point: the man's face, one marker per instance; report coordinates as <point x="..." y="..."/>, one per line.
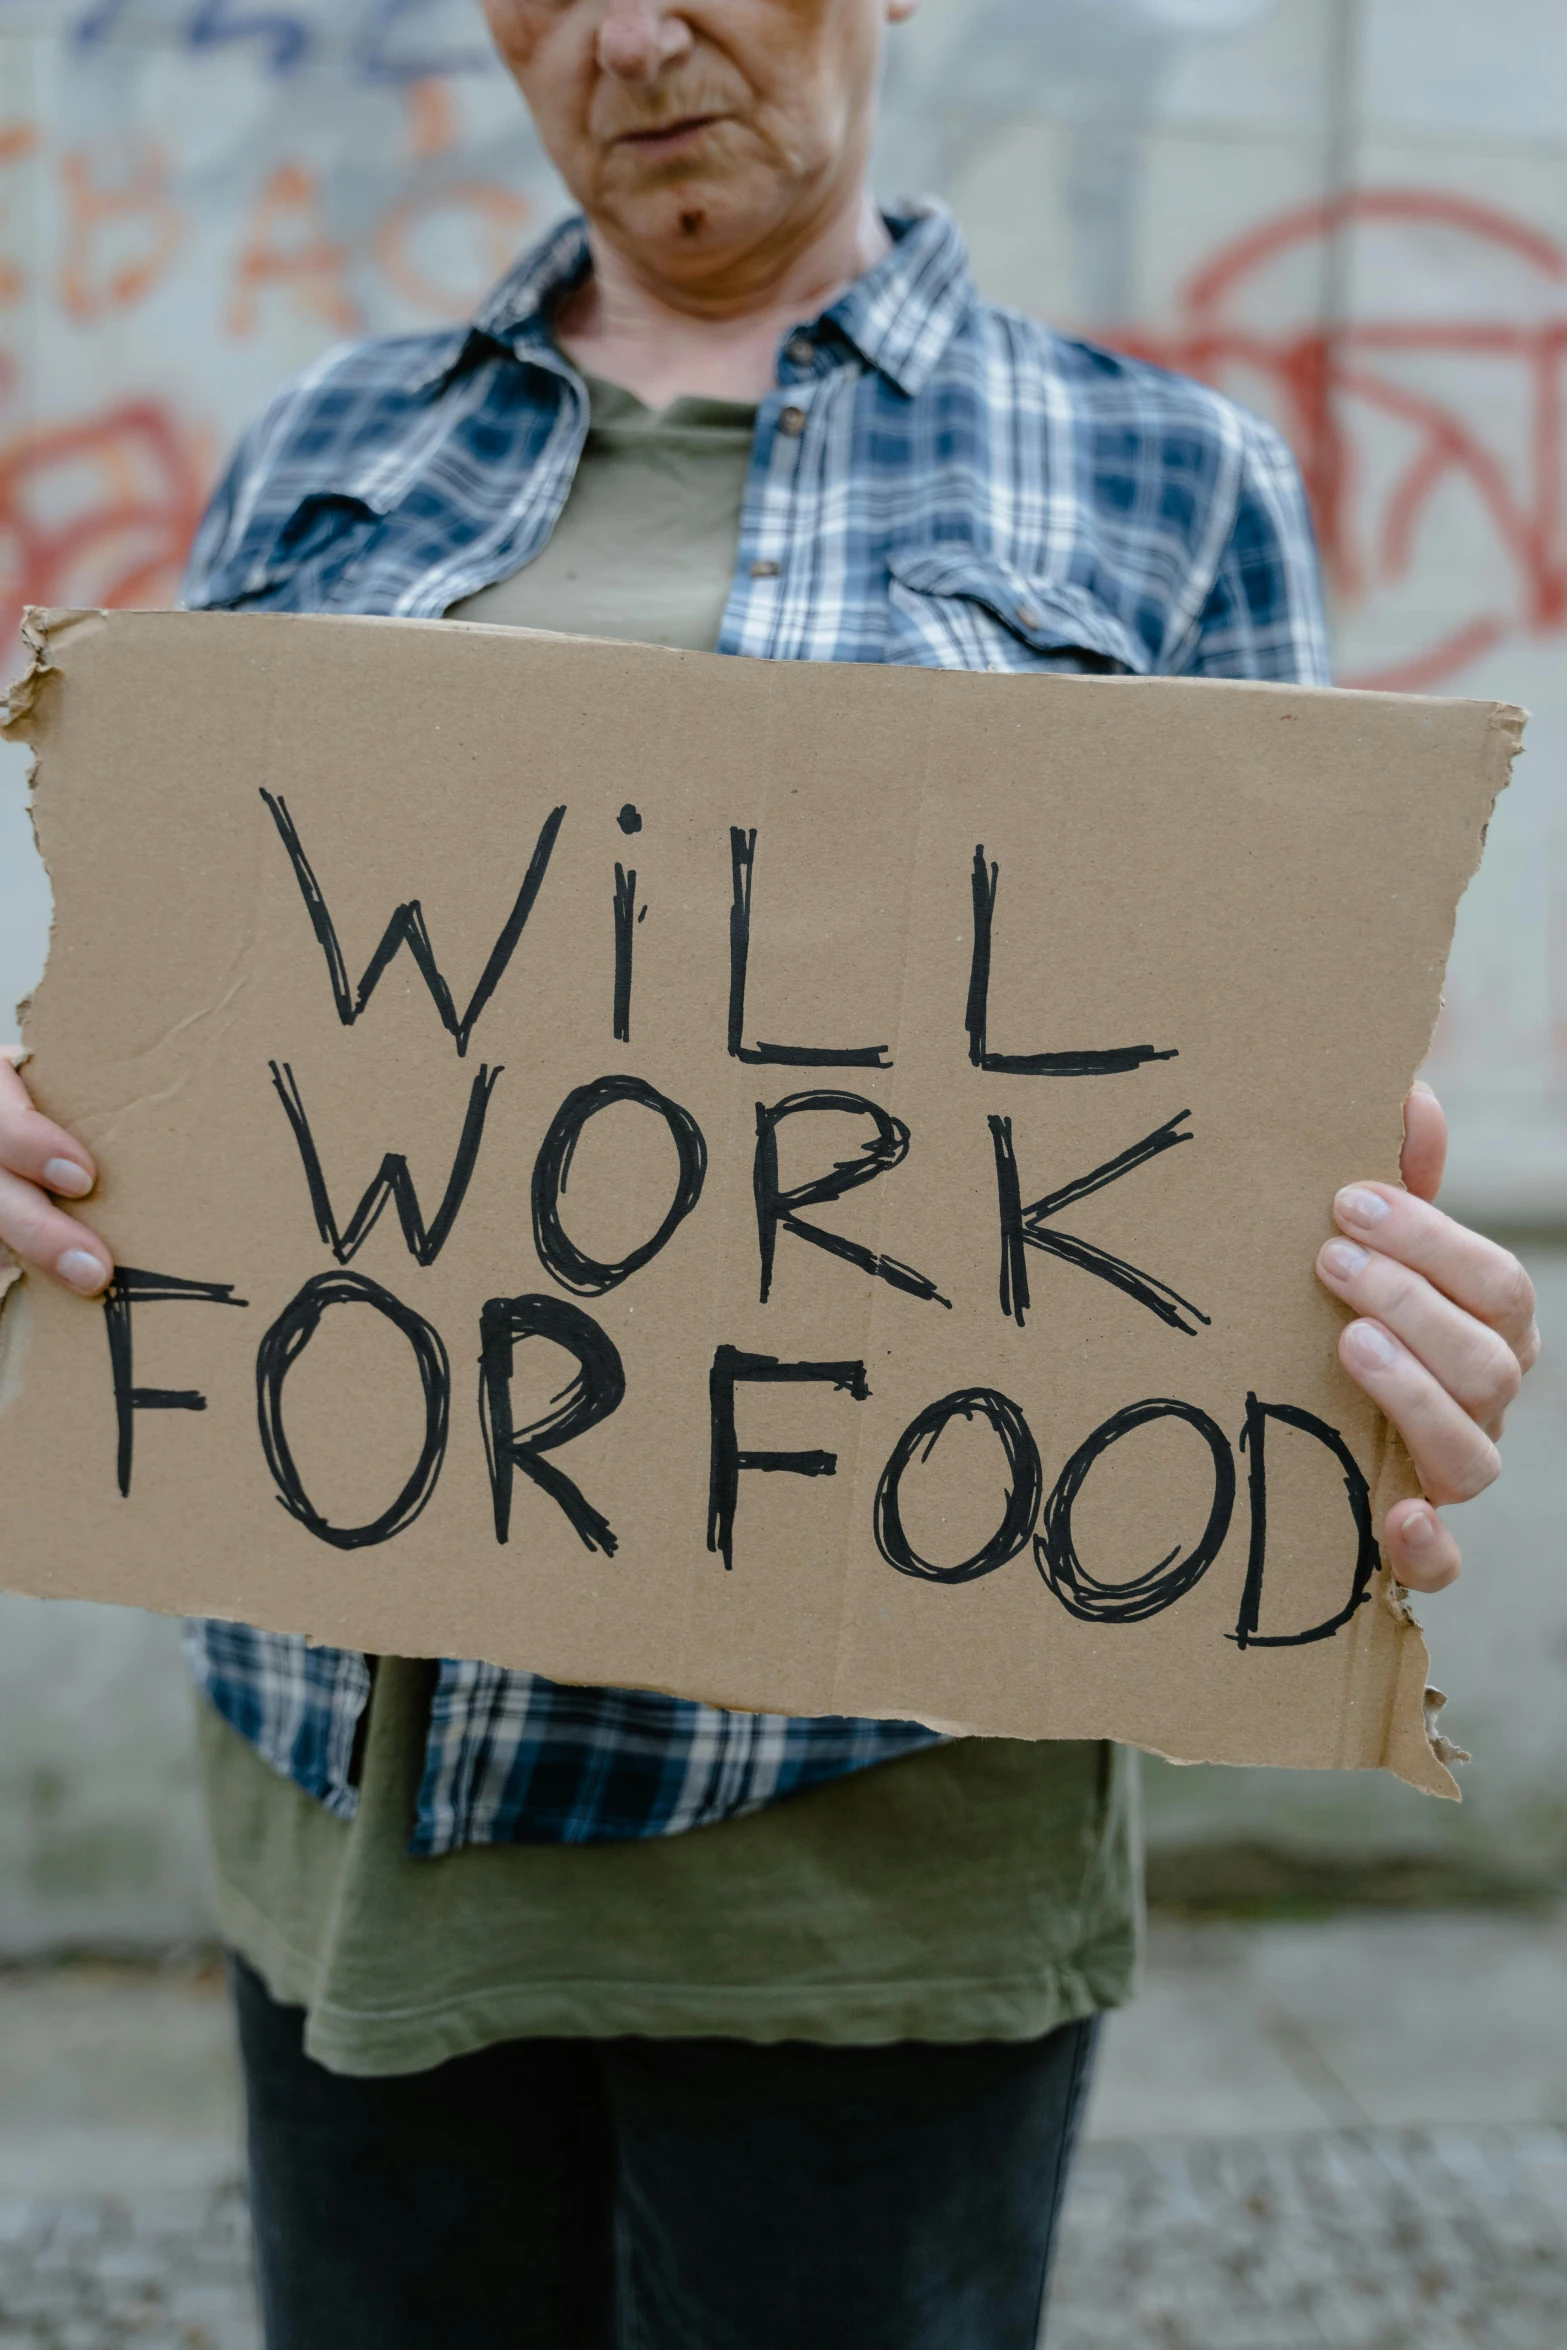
<point x="702" y="129"/>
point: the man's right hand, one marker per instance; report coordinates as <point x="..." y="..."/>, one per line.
<point x="40" y="1162"/>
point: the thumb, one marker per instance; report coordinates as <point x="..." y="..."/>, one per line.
<point x="1425" y="1142"/>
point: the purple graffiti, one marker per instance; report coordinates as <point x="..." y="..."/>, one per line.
<point x="383" y="42"/>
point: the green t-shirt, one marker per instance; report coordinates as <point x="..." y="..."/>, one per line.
<point x="977" y="1891"/>
<point x="645" y="546"/>
<point x="985" y="1889"/>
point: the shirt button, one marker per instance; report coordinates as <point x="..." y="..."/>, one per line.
<point x="792" y="421"/>
<point x="765" y="570"/>
<point x="801" y="350"/>
<point x="1027" y="616"/>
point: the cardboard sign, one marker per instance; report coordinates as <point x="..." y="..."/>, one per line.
<point x="794" y="1185"/>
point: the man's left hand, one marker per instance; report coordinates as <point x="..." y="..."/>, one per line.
<point x="1444" y="1335"/>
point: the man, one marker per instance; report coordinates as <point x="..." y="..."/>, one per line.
<point x="561" y="2025"/>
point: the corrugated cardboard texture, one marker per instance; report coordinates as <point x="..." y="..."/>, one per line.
<point x="1218" y="912"/>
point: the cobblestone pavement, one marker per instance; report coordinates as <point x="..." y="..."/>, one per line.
<point x="1369" y="2240"/>
<point x="96" y="2273"/>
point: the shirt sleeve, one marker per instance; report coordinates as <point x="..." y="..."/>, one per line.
<point x="242" y="486"/>
<point x="1264" y="614"/>
<point x="214" y="532"/>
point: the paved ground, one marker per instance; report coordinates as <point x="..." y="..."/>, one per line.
<point x="1372" y="2240"/>
<point x="154" y="2272"/>
<point x="1345" y="2136"/>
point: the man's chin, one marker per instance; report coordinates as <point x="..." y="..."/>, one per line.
<point x="689" y="217"/>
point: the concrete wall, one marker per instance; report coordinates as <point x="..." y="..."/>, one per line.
<point x="100" y="1829"/>
<point x="1351" y="213"/>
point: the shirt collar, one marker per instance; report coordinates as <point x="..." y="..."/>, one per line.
<point x="900" y="316"/>
<point x="514" y="316"/>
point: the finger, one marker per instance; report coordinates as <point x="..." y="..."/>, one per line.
<point x="1453" y="1458"/>
<point x="1477" y="1274"/>
<point x="1471" y="1360"/>
<point x="41" y="1234"/>
<point x="34" y="1146"/>
<point x="1420" y="1546"/>
<point x="1424" y="1154"/>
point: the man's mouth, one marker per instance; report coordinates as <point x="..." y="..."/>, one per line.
<point x="669" y="136"/>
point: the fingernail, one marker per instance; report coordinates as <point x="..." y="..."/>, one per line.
<point x="1344" y="1260"/>
<point x="1420" y="1086"/>
<point x="1418" y="1531"/>
<point x="1361" y="1207"/>
<point x="1372" y="1343"/>
<point x="82" y="1270"/>
<point x="67" y="1178"/>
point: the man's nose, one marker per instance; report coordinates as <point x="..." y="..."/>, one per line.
<point x="638" y="38"/>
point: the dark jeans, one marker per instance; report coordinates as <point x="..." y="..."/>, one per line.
<point x="659" y="2194"/>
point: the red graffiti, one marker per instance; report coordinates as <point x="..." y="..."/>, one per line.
<point x="1387" y="413"/>
<point x="99" y="512"/>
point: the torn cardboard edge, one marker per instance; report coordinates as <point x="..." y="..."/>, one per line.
<point x="16" y="708"/>
<point x="40" y="623"/>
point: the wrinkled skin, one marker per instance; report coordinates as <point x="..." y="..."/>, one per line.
<point x="711" y="144"/>
<point x="719" y="150"/>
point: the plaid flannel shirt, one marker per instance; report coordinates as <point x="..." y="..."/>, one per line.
<point x="935" y="481"/>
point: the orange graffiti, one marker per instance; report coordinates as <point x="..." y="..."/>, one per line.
<point x="432" y="119"/>
<point x="1328" y="378"/>
<point x="18" y="142"/>
<point x="100" y="511"/>
<point x="289" y="246"/>
<point x="97" y="274"/>
<point x="488" y="220"/>
<point x="498" y="214"/>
